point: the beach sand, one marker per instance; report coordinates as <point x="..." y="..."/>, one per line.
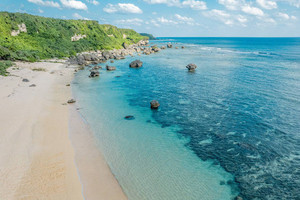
<point x="46" y="150"/>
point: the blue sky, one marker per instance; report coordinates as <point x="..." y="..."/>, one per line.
<point x="186" y="18"/>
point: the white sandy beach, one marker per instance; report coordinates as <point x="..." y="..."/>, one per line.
<point x="46" y="150"/>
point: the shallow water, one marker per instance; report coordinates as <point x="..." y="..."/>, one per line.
<point x="230" y="127"/>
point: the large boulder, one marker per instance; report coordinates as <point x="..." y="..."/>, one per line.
<point x="154" y="104"/>
<point x="110" y="68"/>
<point x="81" y="60"/>
<point x="155" y="49"/>
<point x="136" y="64"/>
<point x="94" y="73"/>
<point x="87" y="57"/>
<point x="191" y="67"/>
<point x="106" y="55"/>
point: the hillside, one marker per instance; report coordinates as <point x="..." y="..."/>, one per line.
<point x="31" y="38"/>
<point x="150" y="36"/>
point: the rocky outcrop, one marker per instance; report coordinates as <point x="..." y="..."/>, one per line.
<point x="110" y="68"/>
<point x="77" y="37"/>
<point x="136" y="64"/>
<point x="96" y="57"/>
<point x="129" y="117"/>
<point x="71" y="101"/>
<point x="125" y="45"/>
<point x="154" y="104"/>
<point x="94" y="73"/>
<point x="21" y="28"/>
<point x="191" y="67"/>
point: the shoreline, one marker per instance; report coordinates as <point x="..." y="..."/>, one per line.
<point x="39" y="154"/>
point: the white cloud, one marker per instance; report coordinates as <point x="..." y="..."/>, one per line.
<point x="286" y="16"/>
<point x="184" y="19"/>
<point x="219" y="15"/>
<point x="226" y="18"/>
<point x="77" y="16"/>
<point x="74" y="4"/>
<point x="93" y="2"/>
<point x="267" y="4"/>
<point x="295" y="3"/>
<point x="196" y="5"/>
<point x="231" y="4"/>
<point x="40" y="11"/>
<point x="45" y="3"/>
<point x="122" y="8"/>
<point x="252" y="10"/>
<point x="242" y="19"/>
<point x="168" y="2"/>
<point x="166" y="21"/>
<point x="134" y="21"/>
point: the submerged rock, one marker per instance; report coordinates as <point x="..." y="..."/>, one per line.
<point x="182" y="47"/>
<point x="112" y="61"/>
<point x="136" y="64"/>
<point x="25" y="80"/>
<point x="191" y="67"/>
<point x="154" y="104"/>
<point x="71" y="101"/>
<point x="129" y="117"/>
<point x="110" y="68"/>
<point x="94" y="73"/>
<point x="32" y="85"/>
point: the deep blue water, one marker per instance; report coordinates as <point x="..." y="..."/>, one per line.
<point x="231" y="127"/>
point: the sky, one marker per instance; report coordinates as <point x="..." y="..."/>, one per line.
<point x="176" y="18"/>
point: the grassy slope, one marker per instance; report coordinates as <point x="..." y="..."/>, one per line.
<point x="49" y="38"/>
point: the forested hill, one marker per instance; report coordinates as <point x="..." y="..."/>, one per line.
<point x="31" y="38"/>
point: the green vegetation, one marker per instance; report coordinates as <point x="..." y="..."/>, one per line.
<point x="3" y="66"/>
<point x="150" y="36"/>
<point x="51" y="38"/>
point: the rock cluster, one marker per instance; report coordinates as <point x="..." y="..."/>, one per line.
<point x="96" y="57"/>
<point x="191" y="67"/>
<point x="94" y="73"/>
<point x="136" y="64"/>
<point x="110" y="68"/>
<point x="154" y="104"/>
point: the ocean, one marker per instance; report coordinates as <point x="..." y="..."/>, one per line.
<point x="230" y="128"/>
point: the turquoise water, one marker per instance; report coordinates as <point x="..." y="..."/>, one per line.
<point x="230" y="128"/>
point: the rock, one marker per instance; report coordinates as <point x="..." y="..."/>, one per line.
<point x="125" y="45"/>
<point x="68" y="85"/>
<point x="129" y="117"/>
<point x="136" y="64"/>
<point x="32" y="85"/>
<point x="169" y="45"/>
<point x="191" y="67"/>
<point x="155" y="49"/>
<point x="112" y="61"/>
<point x="94" y="73"/>
<point x="176" y="47"/>
<point x="106" y="55"/>
<point x="25" y="80"/>
<point x="154" y="104"/>
<point x="71" y="101"/>
<point x="182" y="47"/>
<point x="163" y="47"/>
<point x="110" y="68"/>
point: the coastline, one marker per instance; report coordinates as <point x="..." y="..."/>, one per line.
<point x="42" y="139"/>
